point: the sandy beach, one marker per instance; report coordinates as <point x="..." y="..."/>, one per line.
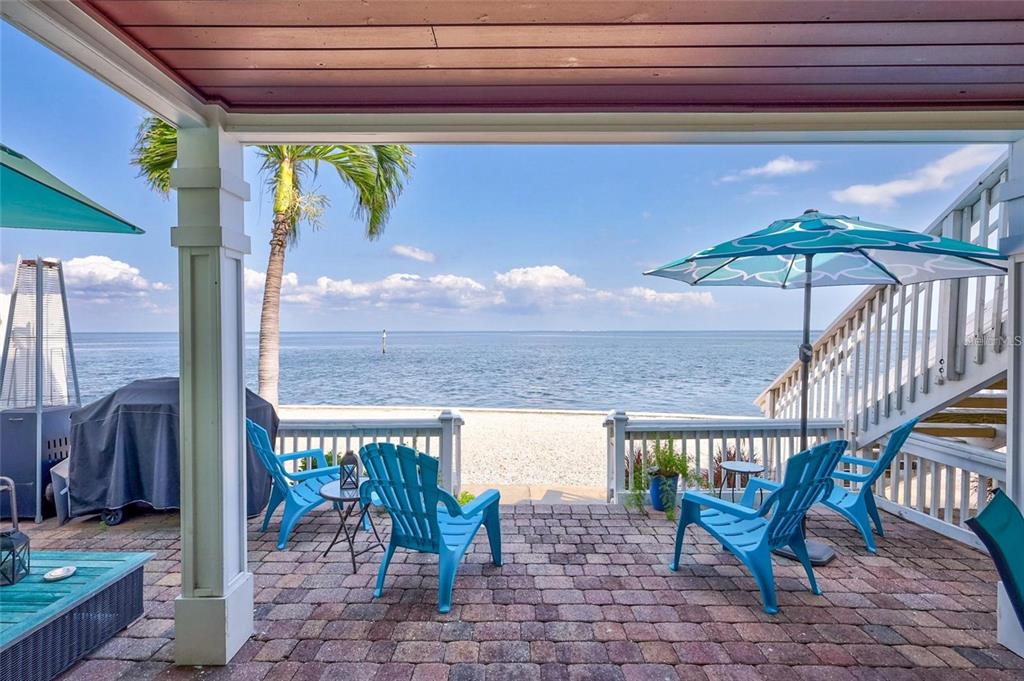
<point x="550" y="455"/>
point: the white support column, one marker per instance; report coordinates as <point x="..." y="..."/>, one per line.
<point x="1011" y="193"/>
<point x="213" y="617"/>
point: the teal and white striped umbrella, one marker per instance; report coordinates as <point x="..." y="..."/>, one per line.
<point x="845" y="250"/>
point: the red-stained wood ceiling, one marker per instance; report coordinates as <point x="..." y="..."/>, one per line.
<point x="581" y="55"/>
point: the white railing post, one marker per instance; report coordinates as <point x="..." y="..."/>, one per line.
<point x="450" y="454"/>
<point x="952" y="316"/>
<point x="616" y="424"/>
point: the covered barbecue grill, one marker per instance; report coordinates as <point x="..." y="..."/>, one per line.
<point x="124" y="450"/>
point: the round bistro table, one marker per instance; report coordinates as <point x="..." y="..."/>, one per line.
<point x="738" y="469"/>
<point x="345" y="501"/>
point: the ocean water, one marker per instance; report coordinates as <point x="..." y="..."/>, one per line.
<point x="708" y="372"/>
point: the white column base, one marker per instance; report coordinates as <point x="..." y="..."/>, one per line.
<point x="209" y="631"/>
<point x="1008" y="626"/>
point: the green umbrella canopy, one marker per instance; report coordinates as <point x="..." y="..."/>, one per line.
<point x="845" y="250"/>
<point x="32" y="198"/>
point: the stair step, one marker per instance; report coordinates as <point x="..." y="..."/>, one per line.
<point x="965" y="416"/>
<point x="985" y="399"/>
<point x="998" y="385"/>
<point x="958" y="431"/>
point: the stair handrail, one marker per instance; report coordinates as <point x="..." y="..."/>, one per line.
<point x="849" y="318"/>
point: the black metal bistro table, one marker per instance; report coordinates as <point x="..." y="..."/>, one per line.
<point x="346" y="500"/>
<point x="738" y="469"/>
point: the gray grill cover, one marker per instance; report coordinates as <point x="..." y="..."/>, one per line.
<point x="124" y="449"/>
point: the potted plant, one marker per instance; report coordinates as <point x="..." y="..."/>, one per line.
<point x="669" y="467"/>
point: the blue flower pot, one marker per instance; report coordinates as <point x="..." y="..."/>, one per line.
<point x="670" y="481"/>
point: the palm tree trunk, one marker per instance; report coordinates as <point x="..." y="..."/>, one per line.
<point x="270" y="315"/>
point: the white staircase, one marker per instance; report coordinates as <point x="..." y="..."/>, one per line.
<point x="921" y="350"/>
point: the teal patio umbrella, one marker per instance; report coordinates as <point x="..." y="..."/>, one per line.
<point x="32" y="198"/>
<point x="816" y="249"/>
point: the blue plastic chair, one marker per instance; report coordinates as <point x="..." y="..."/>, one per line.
<point x="752" y="534"/>
<point x="300" y="492"/>
<point x="858" y="506"/>
<point x="424" y="517"/>
<point x="1000" y="526"/>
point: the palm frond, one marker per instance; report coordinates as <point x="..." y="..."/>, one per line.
<point x="309" y="210"/>
<point x="376" y="173"/>
<point x="154" y="153"/>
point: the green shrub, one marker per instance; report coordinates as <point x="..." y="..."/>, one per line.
<point x="662" y="460"/>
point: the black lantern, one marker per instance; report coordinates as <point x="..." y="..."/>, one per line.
<point x="349" y="470"/>
<point x="14" y="550"/>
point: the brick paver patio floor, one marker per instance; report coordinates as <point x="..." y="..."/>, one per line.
<point x="585" y="594"/>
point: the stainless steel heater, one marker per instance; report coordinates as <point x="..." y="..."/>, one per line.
<point x="38" y="382"/>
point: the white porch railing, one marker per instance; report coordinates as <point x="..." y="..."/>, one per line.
<point x="940" y="483"/>
<point x="898" y="352"/>
<point x="440" y="437"/>
<point x="769" y="442"/>
<point x="933" y="482"/>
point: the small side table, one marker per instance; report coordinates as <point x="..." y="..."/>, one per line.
<point x="346" y="500"/>
<point x="738" y="469"/>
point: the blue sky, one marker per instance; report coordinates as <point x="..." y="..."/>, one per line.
<point x="485" y="237"/>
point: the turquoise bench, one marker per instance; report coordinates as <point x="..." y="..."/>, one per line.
<point x="45" y="627"/>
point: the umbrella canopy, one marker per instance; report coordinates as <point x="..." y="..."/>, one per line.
<point x="845" y="250"/>
<point x="32" y="198"/>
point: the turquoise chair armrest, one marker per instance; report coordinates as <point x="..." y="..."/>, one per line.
<point x="851" y="477"/>
<point x="755" y="485"/>
<point x="480" y="504"/>
<point x="854" y="461"/>
<point x="306" y="475"/>
<point x="317" y="454"/>
<point x="703" y="499"/>
<point x="370" y="493"/>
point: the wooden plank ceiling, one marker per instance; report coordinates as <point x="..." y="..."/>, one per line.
<point x="581" y="55"/>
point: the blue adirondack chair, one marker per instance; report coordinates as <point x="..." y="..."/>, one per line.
<point x="858" y="506"/>
<point x="1000" y="526"/>
<point x="751" y="534"/>
<point x="424" y="517"/>
<point x="300" y="492"/>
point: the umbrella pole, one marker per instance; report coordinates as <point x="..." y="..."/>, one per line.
<point x="805" y="351"/>
<point x="819" y="554"/>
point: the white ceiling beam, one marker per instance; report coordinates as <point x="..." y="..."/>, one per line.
<point x="634" y="128"/>
<point x="72" y="33"/>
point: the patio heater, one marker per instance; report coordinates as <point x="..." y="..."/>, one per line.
<point x="38" y="381"/>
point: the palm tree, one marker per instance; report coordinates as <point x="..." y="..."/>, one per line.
<point x="376" y="174"/>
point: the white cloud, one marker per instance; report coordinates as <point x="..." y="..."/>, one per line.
<point x="413" y="253"/>
<point x="442" y="291"/>
<point x="540" y="278"/>
<point x="519" y="290"/>
<point x="777" y="167"/>
<point x="684" y="299"/>
<point x="100" y="279"/>
<point x="254" y="281"/>
<point x="542" y="286"/>
<point x="938" y="174"/>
